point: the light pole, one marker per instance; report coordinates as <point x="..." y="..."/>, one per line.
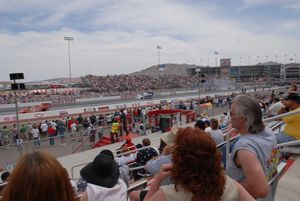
<point x="17" y="86"/>
<point x="257" y="57"/>
<point x="198" y="72"/>
<point x="241" y="61"/>
<point x="276" y="58"/>
<point x="284" y="70"/>
<point x="158" y="47"/>
<point x="216" y="53"/>
<point x="249" y="60"/>
<point x="158" y="56"/>
<point x="67" y="38"/>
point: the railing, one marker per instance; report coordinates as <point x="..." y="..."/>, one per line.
<point x="278" y="117"/>
<point x="116" y="155"/>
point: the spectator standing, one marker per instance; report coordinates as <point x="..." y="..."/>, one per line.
<point x="93" y="119"/>
<point x="92" y="135"/>
<point x="86" y="123"/>
<point x="51" y="132"/>
<point x="54" y="126"/>
<point x="216" y="133"/>
<point x="6" y="135"/>
<point x="36" y="135"/>
<point x="115" y="130"/>
<point x="24" y="132"/>
<point x="29" y="131"/>
<point x="73" y="130"/>
<point x="80" y="119"/>
<point x="61" y="132"/>
<point x="124" y="122"/>
<point x="14" y="134"/>
<point x="44" y="128"/>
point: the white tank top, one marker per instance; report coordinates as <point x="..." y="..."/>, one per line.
<point x="118" y="192"/>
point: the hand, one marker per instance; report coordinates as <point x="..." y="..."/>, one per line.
<point x="164" y="172"/>
<point x="282" y="110"/>
<point x="166" y="150"/>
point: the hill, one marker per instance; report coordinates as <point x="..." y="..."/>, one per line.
<point x="170" y="69"/>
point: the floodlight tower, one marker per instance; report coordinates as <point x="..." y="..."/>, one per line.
<point x="68" y="38"/>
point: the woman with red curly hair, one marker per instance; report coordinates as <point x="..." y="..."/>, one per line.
<point x="196" y="172"/>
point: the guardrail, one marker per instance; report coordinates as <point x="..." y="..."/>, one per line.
<point x="278" y="117"/>
<point x="116" y="155"/>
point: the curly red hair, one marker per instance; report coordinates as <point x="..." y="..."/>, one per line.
<point x="197" y="165"/>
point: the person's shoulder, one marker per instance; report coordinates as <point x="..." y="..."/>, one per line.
<point x="160" y="159"/>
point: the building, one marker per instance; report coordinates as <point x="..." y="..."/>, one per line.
<point x="270" y="72"/>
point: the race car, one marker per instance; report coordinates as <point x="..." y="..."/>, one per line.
<point x="145" y="95"/>
<point x="36" y="108"/>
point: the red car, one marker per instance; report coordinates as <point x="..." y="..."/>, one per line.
<point x="36" y="108"/>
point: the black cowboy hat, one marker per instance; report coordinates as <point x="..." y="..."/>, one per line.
<point x="103" y="171"/>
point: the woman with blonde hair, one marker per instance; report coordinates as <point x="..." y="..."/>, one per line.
<point x="38" y="176"/>
<point x="196" y="172"/>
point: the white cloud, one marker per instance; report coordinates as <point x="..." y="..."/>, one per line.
<point x="256" y="2"/>
<point x="122" y="36"/>
<point x="294" y="6"/>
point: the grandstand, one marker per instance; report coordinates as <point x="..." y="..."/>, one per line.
<point x="74" y="162"/>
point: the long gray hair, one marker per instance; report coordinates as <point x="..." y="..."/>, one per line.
<point x="249" y="108"/>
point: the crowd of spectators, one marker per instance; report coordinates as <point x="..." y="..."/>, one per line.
<point x="7" y="135"/>
<point x="136" y="83"/>
<point x="96" y="86"/>
<point x="180" y="172"/>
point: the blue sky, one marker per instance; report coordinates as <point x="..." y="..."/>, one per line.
<point x="120" y="36"/>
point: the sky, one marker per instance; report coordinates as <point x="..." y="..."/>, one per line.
<point x="121" y="36"/>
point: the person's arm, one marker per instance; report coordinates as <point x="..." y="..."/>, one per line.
<point x="154" y="193"/>
<point x="243" y="195"/>
<point x="84" y="197"/>
<point x="282" y="110"/>
<point x="256" y="182"/>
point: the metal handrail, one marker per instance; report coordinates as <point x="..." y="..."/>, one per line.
<point x="137" y="168"/>
<point x="134" y="151"/>
<point x="277" y="125"/>
<point x="281" y="115"/>
<point x="286" y="144"/>
<point x="82" y="164"/>
<point x="230" y="139"/>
